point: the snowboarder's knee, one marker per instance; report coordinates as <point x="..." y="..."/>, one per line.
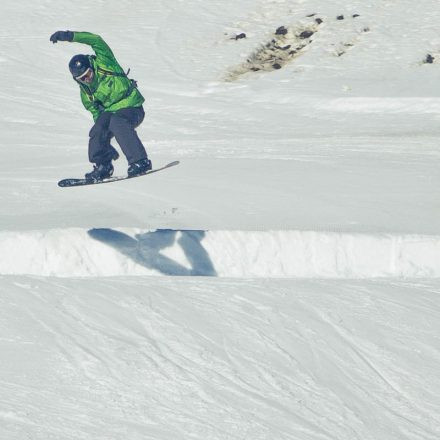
<point x="118" y="123"/>
<point x="101" y="125"/>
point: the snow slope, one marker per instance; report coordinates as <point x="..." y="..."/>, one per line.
<point x="326" y="143"/>
<point x="177" y="358"/>
<point x="326" y="169"/>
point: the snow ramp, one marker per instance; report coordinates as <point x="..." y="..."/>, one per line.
<point x="236" y="254"/>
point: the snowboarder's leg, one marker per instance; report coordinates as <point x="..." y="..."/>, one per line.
<point x="123" y="125"/>
<point x="101" y="152"/>
<point x="100" y="149"/>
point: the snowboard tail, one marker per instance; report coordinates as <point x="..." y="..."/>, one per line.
<point x="65" y="183"/>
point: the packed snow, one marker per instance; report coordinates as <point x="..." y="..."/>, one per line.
<point x="282" y="282"/>
<point x="236" y="254"/>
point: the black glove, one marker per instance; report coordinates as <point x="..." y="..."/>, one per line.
<point x="61" y="36"/>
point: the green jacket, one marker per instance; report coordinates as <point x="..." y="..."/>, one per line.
<point x="110" y="90"/>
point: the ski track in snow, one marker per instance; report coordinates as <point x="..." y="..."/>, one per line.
<point x="245" y="361"/>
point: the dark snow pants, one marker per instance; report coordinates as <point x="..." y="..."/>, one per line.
<point x="121" y="125"/>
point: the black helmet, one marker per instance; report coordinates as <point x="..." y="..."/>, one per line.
<point x="78" y="65"/>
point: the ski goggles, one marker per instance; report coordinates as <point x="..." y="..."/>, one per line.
<point x="86" y="77"/>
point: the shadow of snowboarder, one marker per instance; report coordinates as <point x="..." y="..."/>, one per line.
<point x="145" y="249"/>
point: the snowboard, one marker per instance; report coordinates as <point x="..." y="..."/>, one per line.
<point x="65" y="183"/>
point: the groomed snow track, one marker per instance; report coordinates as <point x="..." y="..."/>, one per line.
<point x="236" y="254"/>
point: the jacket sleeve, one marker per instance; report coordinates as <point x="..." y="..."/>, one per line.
<point x="104" y="54"/>
<point x="90" y="106"/>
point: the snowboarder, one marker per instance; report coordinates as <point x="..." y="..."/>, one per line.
<point x="115" y="103"/>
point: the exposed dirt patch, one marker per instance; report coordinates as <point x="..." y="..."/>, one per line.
<point x="286" y="44"/>
<point x="289" y="42"/>
<point x="344" y="46"/>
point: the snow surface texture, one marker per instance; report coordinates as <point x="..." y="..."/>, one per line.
<point x="242" y="254"/>
<point x="154" y="308"/>
<point x="166" y="359"/>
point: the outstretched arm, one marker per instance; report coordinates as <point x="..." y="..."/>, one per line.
<point x="103" y="52"/>
<point x="99" y="46"/>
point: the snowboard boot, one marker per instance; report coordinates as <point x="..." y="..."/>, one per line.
<point x="139" y="167"/>
<point x="100" y="172"/>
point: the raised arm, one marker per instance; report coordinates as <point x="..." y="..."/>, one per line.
<point x="103" y="52"/>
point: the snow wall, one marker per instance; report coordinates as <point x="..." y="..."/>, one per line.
<point x="276" y="254"/>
